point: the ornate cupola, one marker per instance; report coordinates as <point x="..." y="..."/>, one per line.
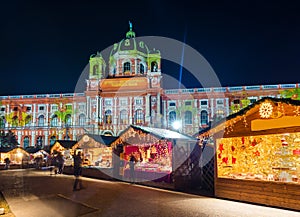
<point x="97" y="66"/>
<point x="128" y="58"/>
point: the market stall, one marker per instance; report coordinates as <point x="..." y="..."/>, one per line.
<point x="37" y="156"/>
<point x="97" y="150"/>
<point x="64" y="147"/>
<point x="258" y="154"/>
<point x="17" y="156"/>
<point x="154" y="152"/>
<point x="3" y="155"/>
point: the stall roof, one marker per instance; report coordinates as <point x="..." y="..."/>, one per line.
<point x="106" y="140"/>
<point x="163" y="133"/>
<point x="32" y="149"/>
<point x="251" y="112"/>
<point x="16" y="149"/>
<point x="66" y="143"/>
<point x="5" y="149"/>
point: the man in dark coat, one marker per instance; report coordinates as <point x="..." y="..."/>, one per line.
<point x="77" y="171"/>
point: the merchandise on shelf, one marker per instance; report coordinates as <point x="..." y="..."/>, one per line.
<point x="273" y="157"/>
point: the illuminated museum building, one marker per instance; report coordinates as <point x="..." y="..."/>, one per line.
<point x="128" y="91"/>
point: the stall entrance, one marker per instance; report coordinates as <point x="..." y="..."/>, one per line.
<point x="196" y="173"/>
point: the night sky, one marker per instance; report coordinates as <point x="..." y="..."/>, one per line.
<point x="45" y="45"/>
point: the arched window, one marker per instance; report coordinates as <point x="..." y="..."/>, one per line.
<point x="123" y="117"/>
<point x="41" y="121"/>
<point x="114" y="70"/>
<point x="15" y="121"/>
<point x="81" y="120"/>
<point x="26" y="142"/>
<point x="68" y="120"/>
<point x="2" y="122"/>
<point x="39" y="141"/>
<point x="139" y="116"/>
<point x="108" y="117"/>
<point x="126" y="67"/>
<point x="28" y="120"/>
<point x="172" y="117"/>
<point x="52" y="140"/>
<point x="153" y="66"/>
<point x="54" y="121"/>
<point x="142" y="68"/>
<point x="95" y="70"/>
<point x="188" y="117"/>
<point x="204" y="117"/>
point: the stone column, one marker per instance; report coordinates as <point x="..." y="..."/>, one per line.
<point x="114" y="112"/>
<point x="46" y="138"/>
<point x="19" y="138"/>
<point x="32" y="138"/>
<point x="130" y="110"/>
<point x="148" y="107"/>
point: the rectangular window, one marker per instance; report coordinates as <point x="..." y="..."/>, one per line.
<point x="41" y="108"/>
<point x="138" y="101"/>
<point x="220" y="102"/>
<point x="69" y="107"/>
<point x="172" y="104"/>
<point x="236" y="101"/>
<point x="15" y="109"/>
<point x="123" y="102"/>
<point x="54" y="108"/>
<point x="81" y="107"/>
<point x="252" y="101"/>
<point x="3" y="109"/>
<point x="203" y="102"/>
<point x="108" y="102"/>
<point x="28" y="108"/>
<point x="188" y="103"/>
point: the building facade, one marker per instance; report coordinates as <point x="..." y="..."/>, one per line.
<point x="128" y="91"/>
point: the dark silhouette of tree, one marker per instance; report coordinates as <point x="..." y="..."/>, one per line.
<point x="8" y="139"/>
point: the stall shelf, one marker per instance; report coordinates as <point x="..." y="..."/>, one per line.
<point x="257" y="154"/>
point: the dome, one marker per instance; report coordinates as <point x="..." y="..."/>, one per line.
<point x="130" y="45"/>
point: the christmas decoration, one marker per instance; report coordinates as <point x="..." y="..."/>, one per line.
<point x="265" y="110"/>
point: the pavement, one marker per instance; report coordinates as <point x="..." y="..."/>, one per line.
<point x="32" y="193"/>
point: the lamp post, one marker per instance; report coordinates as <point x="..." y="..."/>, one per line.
<point x="177" y="125"/>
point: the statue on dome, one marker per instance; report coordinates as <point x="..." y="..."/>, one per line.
<point x="130" y="25"/>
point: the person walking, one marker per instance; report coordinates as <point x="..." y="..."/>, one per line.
<point x="77" y="171"/>
<point x="61" y="161"/>
<point x="131" y="167"/>
<point x="7" y="163"/>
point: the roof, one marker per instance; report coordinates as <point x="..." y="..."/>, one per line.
<point x="67" y="143"/>
<point x="106" y="140"/>
<point x="5" y="149"/>
<point x="163" y="133"/>
<point x="32" y="149"/>
<point x="249" y="111"/>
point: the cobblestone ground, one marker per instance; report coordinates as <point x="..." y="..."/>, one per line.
<point x="33" y="193"/>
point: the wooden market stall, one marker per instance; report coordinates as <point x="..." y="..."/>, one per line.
<point x="64" y="147"/>
<point x="37" y="156"/>
<point x="97" y="150"/>
<point x="158" y="152"/>
<point x="258" y="154"/>
<point x="18" y="156"/>
<point x="4" y="154"/>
